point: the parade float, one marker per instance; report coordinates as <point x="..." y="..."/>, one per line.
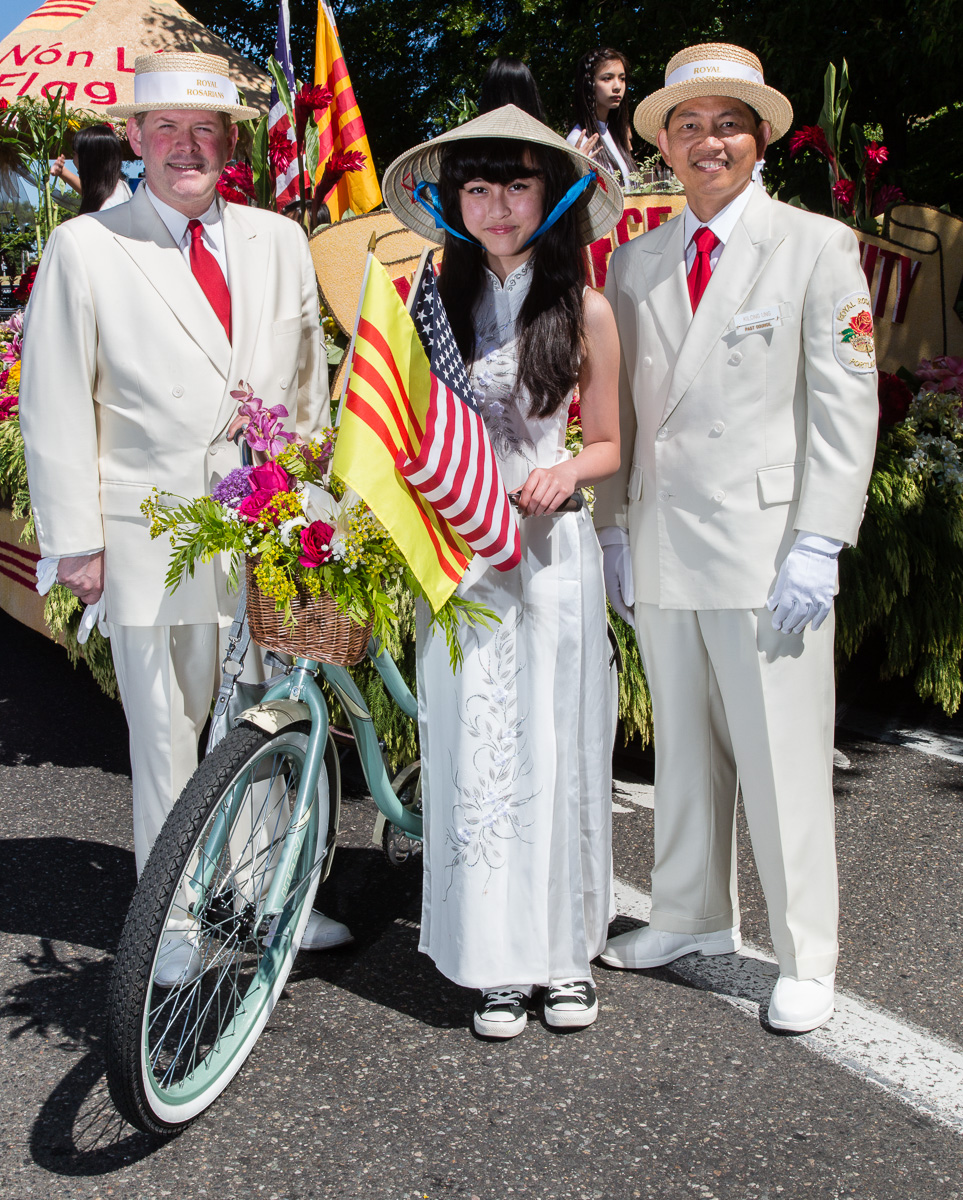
<point x="900" y="609"/>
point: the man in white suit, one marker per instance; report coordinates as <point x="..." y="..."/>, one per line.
<point x="142" y="320"/>
<point x="749" y="411"/>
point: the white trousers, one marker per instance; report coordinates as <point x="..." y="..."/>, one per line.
<point x="167" y="676"/>
<point x="737" y="703"/>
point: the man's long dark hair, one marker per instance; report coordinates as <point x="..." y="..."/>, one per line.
<point x="97" y="153"/>
<point x="550" y="324"/>
<point x="620" y="126"/>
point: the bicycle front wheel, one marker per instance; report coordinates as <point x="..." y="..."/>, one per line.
<point x="176" y="1038"/>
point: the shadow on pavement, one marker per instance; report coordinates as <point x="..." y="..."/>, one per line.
<point x="65" y="890"/>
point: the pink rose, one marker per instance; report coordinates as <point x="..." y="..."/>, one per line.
<point x="253" y="506"/>
<point x="316" y="544"/>
<point x="270" y="478"/>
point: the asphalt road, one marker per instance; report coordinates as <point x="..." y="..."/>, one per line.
<point x="368" y="1082"/>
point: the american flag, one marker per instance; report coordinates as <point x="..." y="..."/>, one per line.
<point x="279" y="124"/>
<point x="455" y="468"/>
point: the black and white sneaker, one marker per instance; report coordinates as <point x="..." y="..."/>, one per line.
<point x="501" y="1013"/>
<point x="571" y="1005"/>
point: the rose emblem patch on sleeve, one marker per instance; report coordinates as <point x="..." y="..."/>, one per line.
<point x="853" y="333"/>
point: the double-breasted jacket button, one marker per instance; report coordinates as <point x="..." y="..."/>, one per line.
<point x="647" y="361"/>
<point x="663" y="496"/>
<point x="177" y="390"/>
<point x="735" y="358"/>
<point x="662" y="434"/>
<point x="717" y="427"/>
<point x="283" y="382"/>
<point x="718" y="497"/>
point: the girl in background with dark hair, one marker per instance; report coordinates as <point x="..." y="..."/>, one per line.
<point x="602" y="123"/>
<point x="97" y="154"/>
<point x="509" y="81"/>
<point x="516" y="746"/>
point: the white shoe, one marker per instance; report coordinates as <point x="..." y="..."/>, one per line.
<point x="798" y="1005"/>
<point x="641" y="949"/>
<point x="179" y="961"/>
<point x="324" y="933"/>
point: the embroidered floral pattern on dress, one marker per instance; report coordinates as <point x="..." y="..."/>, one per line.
<point x="493" y="374"/>
<point x="489" y="810"/>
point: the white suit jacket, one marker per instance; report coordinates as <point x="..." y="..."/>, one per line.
<point x="735" y="432"/>
<point x="126" y="384"/>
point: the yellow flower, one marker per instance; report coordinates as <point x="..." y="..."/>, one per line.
<point x="13" y="380"/>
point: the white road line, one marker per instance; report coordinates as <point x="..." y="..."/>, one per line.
<point x="891" y="729"/>
<point x="918" y="1068"/>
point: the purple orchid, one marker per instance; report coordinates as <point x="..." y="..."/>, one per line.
<point x="263" y="433"/>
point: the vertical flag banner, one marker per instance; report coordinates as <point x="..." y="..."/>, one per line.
<point x="280" y="133"/>
<point x="342" y="138"/>
<point x="406" y="447"/>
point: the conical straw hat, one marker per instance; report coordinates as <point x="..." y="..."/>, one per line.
<point x="87" y="49"/>
<point x="598" y="210"/>
<point x="714" y="69"/>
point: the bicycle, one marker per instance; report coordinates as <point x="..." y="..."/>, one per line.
<point x="235" y="870"/>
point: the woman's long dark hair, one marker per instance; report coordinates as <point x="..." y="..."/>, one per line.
<point x="550" y="322"/>
<point x="97" y="153"/>
<point x="509" y="81"/>
<point x="620" y="127"/>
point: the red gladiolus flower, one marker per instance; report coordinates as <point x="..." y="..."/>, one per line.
<point x="316" y="544"/>
<point x="844" y="193"/>
<point x="888" y="194"/>
<point x="4" y="103"/>
<point x="236" y="183"/>
<point x="810" y="137"/>
<point x="310" y="99"/>
<point x="281" y="151"/>
<point x="894" y="399"/>
<point x="23" y="289"/>
<point x="347" y="160"/>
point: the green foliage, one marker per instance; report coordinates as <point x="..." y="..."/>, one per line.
<point x="635" y="705"/>
<point x="901" y="586"/>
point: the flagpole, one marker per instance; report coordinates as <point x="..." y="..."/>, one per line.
<point x="349" y="355"/>
<point x="416" y="277"/>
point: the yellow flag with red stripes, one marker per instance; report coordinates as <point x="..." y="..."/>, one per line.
<point x="341" y="130"/>
<point x="382" y="424"/>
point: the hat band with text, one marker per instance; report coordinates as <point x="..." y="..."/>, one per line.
<point x="708" y="68"/>
<point x="184" y="87"/>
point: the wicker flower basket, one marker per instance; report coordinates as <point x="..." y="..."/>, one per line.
<point x="322" y="631"/>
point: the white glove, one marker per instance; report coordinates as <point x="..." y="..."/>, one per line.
<point x="94" y="614"/>
<point x="46" y="574"/>
<point x="804" y="587"/>
<point x="617" y="571"/>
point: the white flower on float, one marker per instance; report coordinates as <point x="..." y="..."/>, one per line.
<point x="319" y="505"/>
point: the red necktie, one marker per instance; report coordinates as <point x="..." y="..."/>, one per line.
<point x="705" y="242"/>
<point x="210" y="276"/>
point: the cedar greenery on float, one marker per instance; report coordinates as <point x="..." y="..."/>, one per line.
<point x="304" y="531"/>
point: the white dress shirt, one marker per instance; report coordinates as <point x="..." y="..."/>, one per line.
<point x="722" y="225"/>
<point x="212" y="233"/>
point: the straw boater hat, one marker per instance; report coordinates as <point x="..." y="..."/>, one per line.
<point x="715" y="69"/>
<point x="178" y="79"/>
<point x="598" y="208"/>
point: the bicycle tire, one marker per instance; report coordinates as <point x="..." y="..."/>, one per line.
<point x="172" y="1050"/>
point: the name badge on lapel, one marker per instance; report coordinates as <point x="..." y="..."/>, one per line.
<point x="758" y="318"/>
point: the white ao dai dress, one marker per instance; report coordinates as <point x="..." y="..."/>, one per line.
<point x="516" y="747"/>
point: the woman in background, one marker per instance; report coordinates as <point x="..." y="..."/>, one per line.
<point x="603" y="127"/>
<point x="97" y="153"/>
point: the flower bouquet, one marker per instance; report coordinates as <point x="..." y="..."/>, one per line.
<point x="322" y="570"/>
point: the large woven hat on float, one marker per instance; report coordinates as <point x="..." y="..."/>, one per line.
<point x="597" y="210"/>
<point x="176" y="80"/>
<point x="86" y="50"/>
<point x="714" y="69"/>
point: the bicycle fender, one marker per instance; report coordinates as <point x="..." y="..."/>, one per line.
<point x="276" y="715"/>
